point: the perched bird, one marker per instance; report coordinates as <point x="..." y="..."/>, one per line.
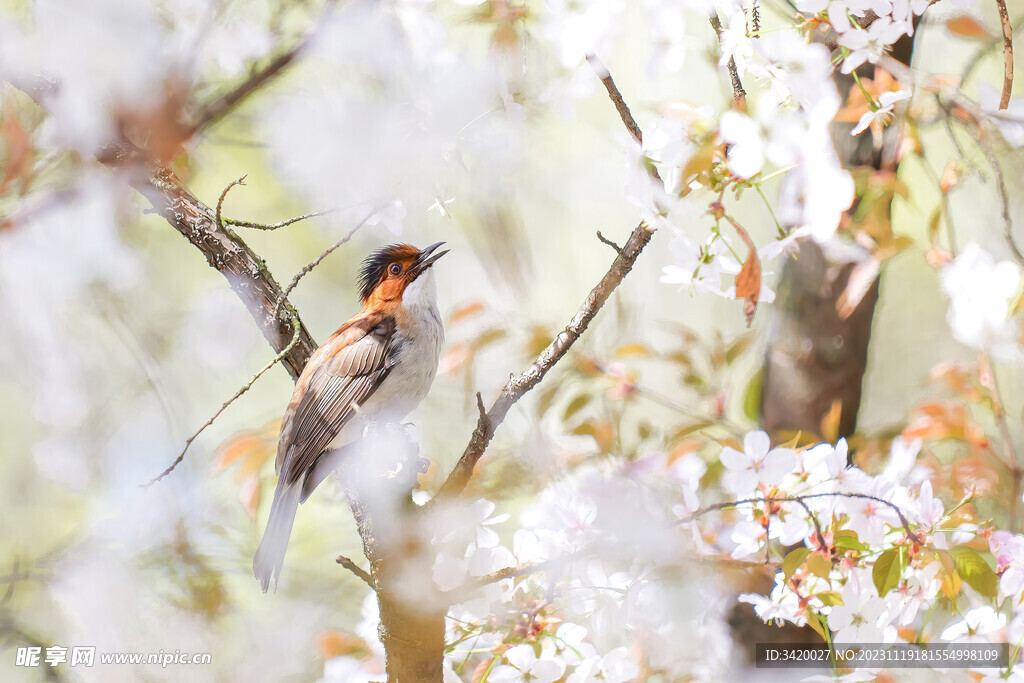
<point x="375" y="369"/>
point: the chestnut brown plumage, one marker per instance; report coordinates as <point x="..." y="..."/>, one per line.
<point x="377" y="367"/>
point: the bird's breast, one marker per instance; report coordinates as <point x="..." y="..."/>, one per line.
<point x="418" y="340"/>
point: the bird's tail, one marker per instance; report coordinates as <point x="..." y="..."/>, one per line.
<point x="270" y="555"/>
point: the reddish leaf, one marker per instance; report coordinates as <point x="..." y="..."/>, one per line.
<point x="19" y="148"/>
<point x="472" y="308"/>
<point x="748" y="280"/>
<point x="968" y="27"/>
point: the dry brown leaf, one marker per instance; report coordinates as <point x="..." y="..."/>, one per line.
<point x="19" y="148"/>
<point x="748" y="280"/>
<point x="968" y="27"/>
<point x="950" y="176"/>
<point x="248" y="450"/>
<point x="465" y="311"/>
<point x="334" y="643"/>
<point x="830" y="422"/>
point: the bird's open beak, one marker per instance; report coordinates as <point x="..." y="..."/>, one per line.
<point x="427" y="257"/>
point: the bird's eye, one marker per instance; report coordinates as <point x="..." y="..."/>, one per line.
<point x="395" y="269"/>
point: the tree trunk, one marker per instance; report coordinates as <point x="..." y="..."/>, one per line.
<point x="816" y="359"/>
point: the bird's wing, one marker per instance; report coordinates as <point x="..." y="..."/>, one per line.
<point x="345" y="372"/>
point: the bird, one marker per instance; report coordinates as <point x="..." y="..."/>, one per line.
<point x="375" y="369"/>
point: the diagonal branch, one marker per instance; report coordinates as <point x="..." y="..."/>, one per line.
<point x="357" y="570"/>
<point x="1004" y="20"/>
<point x="739" y="95"/>
<point x="315" y="262"/>
<point x="517" y="387"/>
<point x="245" y="271"/>
<point x="245" y="387"/>
<point x="616" y="97"/>
<point x="213" y="111"/>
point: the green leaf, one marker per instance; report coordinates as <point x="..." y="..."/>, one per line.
<point x="830" y="598"/>
<point x="974" y="570"/>
<point x="633" y="350"/>
<point x="576" y="405"/>
<point x="793" y="560"/>
<point x="547" y="397"/>
<point x="933" y="223"/>
<point x="847" y="540"/>
<point x="887" y="570"/>
<point x="686" y="430"/>
<point x="752" y="396"/>
<point x="817" y="622"/>
<point x="819" y="566"/>
<point x="733" y="351"/>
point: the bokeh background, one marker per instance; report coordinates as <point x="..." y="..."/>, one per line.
<point x="118" y="340"/>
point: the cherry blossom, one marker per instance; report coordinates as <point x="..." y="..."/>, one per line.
<point x="523" y="665"/>
<point x="919" y="590"/>
<point x="734" y="42"/>
<point x="883" y="113"/>
<point x="1009" y="551"/>
<point x="863" y="617"/>
<point x="868" y="45"/>
<point x="981" y="293"/>
<point x="758" y="463"/>
<point x="902" y="458"/>
<point x="976" y="624"/>
<point x="870" y="518"/>
<point x="614" y="667"/>
<point x="783" y="605"/>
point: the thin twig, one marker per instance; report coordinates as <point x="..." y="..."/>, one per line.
<point x="357" y="570"/>
<point x="1004" y="197"/>
<point x="181" y="456"/>
<point x="223" y="196"/>
<point x="315" y="262"/>
<point x="1010" y="453"/>
<point x="817" y="523"/>
<point x="739" y="95"/>
<point x="1004" y="19"/>
<point x="274" y="226"/>
<point x="947" y="122"/>
<point x="616" y="97"/>
<point x="519" y="570"/>
<point x="222" y="222"/>
<point x="517" y="387"/>
<point x="797" y="499"/>
<point x="224" y="250"/>
<point x="213" y="111"/>
<point x="610" y="243"/>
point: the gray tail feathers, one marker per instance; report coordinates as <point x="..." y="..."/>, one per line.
<point x="327" y="462"/>
<point x="270" y="555"/>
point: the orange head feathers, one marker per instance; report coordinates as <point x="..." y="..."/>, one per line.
<point x="388" y="271"/>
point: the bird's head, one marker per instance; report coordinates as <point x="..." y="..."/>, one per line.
<point x="389" y="271"/>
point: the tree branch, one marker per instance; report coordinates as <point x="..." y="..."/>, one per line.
<point x="315" y="262"/>
<point x="245" y="388"/>
<point x="357" y="570"/>
<point x="245" y="271"/>
<point x="214" y="110"/>
<point x="1004" y="19"/>
<point x="1004" y="198"/>
<point x="467" y="588"/>
<point x="616" y="98"/>
<point x="531" y="377"/>
<point x="739" y="95"/>
<point x="904" y="522"/>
